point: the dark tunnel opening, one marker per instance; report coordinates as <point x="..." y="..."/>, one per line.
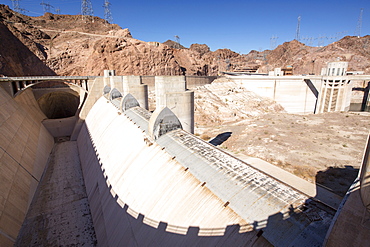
<point x="59" y="104"/>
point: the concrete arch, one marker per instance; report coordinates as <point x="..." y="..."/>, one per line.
<point x="163" y="121"/>
<point x="128" y="102"/>
<point x="114" y="94"/>
<point x="60" y="104"/>
<point x="106" y="90"/>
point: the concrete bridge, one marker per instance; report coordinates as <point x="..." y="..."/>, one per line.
<point x="116" y="174"/>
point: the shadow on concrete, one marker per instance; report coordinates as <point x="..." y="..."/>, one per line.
<point x="116" y="224"/>
<point x="364" y="104"/>
<point x="336" y="179"/>
<point x="220" y="138"/>
<point x="313" y="90"/>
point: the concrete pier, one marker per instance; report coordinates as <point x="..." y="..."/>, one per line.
<point x="171" y="92"/>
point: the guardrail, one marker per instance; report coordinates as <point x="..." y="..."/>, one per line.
<point x="46" y="78"/>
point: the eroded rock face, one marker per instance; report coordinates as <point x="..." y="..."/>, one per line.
<point x="73" y="45"/>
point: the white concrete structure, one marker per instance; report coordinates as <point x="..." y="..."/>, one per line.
<point x="291" y="92"/>
<point x="179" y="190"/>
<point x="307" y="94"/>
<point x="168" y="187"/>
<point x="335" y="94"/>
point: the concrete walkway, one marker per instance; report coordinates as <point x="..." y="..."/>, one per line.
<point x="59" y="214"/>
<point x="313" y="190"/>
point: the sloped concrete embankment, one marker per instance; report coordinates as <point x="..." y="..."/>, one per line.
<point x="178" y="190"/>
<point x="25" y="146"/>
<point x="139" y="195"/>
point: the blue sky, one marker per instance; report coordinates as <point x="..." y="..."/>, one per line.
<point x="239" y="25"/>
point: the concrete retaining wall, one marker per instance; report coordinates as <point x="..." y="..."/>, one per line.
<point x="25" y="145"/>
<point x="290" y="92"/>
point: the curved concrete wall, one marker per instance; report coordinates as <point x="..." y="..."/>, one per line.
<point x="24" y="150"/>
<point x="139" y="194"/>
<point x="178" y="190"/>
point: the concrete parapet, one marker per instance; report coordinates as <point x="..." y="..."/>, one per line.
<point x="171" y="92"/>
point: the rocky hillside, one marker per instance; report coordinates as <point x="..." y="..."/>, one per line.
<point x="310" y="60"/>
<point x="72" y="45"/>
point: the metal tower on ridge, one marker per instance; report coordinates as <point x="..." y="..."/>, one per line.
<point x="46" y="6"/>
<point x="298" y="28"/>
<point x="359" y="24"/>
<point x="107" y="13"/>
<point x="16" y="6"/>
<point x="86" y="8"/>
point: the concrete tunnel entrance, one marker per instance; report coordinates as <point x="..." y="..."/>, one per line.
<point x="56" y="105"/>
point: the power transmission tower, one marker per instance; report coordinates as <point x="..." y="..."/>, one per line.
<point x="87" y="9"/>
<point x="16" y="7"/>
<point x="177" y="41"/>
<point x="46" y="7"/>
<point x="107" y="14"/>
<point x="298" y="28"/>
<point x="359" y="24"/>
<point x="273" y="42"/>
<point x="57" y="10"/>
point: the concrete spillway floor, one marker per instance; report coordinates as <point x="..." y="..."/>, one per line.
<point x="59" y="214"/>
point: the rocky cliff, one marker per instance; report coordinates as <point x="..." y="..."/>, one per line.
<point x="73" y="45"/>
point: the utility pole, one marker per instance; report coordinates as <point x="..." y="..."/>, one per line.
<point x="87" y="9"/>
<point x="107" y="13"/>
<point x="57" y="10"/>
<point x="46" y="7"/>
<point x="298" y="28"/>
<point x="359" y="24"/>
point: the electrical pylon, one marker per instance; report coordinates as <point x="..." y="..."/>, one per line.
<point x="46" y="7"/>
<point x="298" y="29"/>
<point x="107" y="13"/>
<point x="87" y="9"/>
<point x="359" y="24"/>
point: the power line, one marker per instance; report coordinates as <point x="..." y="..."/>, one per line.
<point x="359" y="24"/>
<point x="107" y="13"/>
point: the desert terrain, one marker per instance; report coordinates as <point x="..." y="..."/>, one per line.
<point x="322" y="148"/>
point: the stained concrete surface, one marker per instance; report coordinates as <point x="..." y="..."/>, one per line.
<point x="59" y="214"/>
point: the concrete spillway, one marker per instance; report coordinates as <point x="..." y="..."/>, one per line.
<point x="147" y="182"/>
